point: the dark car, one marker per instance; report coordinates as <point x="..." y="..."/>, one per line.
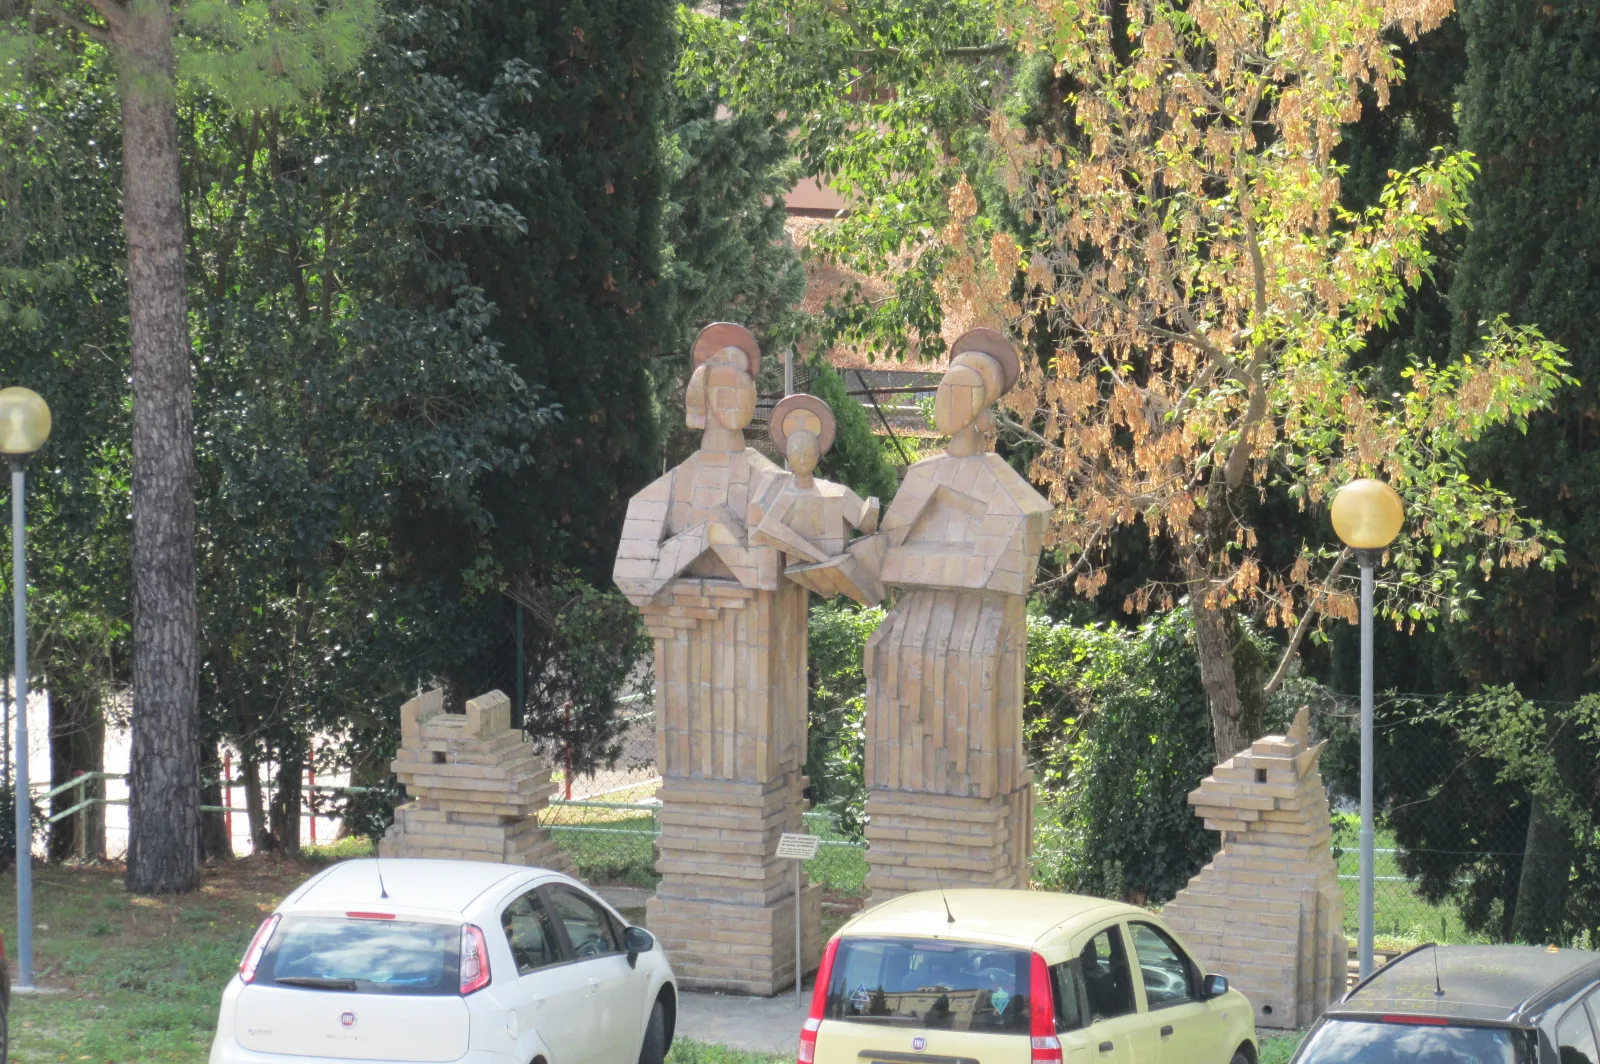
<point x="1467" y="1005"/>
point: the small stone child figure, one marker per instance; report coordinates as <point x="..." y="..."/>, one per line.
<point x="809" y="519"/>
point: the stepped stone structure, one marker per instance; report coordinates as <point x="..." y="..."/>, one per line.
<point x="951" y="796"/>
<point x="729" y="626"/>
<point x="1268" y="912"/>
<point x="477" y="786"/>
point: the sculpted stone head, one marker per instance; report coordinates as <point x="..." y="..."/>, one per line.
<point x="722" y="389"/>
<point x="983" y="367"/>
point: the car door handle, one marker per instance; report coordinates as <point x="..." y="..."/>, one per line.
<point x="594" y="985"/>
<point x="536" y="1000"/>
<point x="1106" y="1047"/>
<point x="1166" y="1032"/>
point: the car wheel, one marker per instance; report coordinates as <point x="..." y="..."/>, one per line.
<point x="1240" y="1057"/>
<point x="654" y="1050"/>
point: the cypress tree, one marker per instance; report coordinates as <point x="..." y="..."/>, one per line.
<point x="578" y="293"/>
<point x="1531" y="113"/>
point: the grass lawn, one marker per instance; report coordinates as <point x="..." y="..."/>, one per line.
<point x="1402" y="918"/>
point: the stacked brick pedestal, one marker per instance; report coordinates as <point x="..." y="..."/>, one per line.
<point x="730" y="737"/>
<point x="921" y="841"/>
<point x="1268" y="912"/>
<point x="477" y="786"/>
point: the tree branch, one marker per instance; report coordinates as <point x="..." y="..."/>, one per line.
<point x="973" y="51"/>
<point x="115" y="14"/>
<point x="1282" y="671"/>
<point x="73" y="22"/>
<point x="1078" y="566"/>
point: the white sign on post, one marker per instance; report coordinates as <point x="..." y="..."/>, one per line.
<point x="799" y="849"/>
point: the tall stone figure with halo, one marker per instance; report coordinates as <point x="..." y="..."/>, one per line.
<point x="730" y="666"/>
<point x="950" y="795"/>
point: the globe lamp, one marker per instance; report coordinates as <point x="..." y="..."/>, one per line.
<point x="24" y="422"/>
<point x="1367" y="514"/>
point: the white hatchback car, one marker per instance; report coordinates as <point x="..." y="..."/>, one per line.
<point x="414" y="960"/>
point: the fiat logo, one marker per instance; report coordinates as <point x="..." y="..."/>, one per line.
<point x="919" y="1044"/>
<point x="348" y="1019"/>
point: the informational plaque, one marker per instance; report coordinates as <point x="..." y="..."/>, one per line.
<point x="798" y="847"/>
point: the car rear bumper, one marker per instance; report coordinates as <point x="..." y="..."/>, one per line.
<point x="227" y="1051"/>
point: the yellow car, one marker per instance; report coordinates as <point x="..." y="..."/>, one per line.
<point x="1018" y="977"/>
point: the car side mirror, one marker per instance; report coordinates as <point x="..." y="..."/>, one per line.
<point x="1215" y="986"/>
<point x="637" y="940"/>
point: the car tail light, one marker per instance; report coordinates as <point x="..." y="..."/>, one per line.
<point x="1042" y="1013"/>
<point x="474" y="960"/>
<point x="819" y="1005"/>
<point x="258" y="946"/>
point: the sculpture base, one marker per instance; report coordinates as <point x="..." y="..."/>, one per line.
<point x="455" y="836"/>
<point x="918" y="841"/>
<point x="1280" y="941"/>
<point x="745" y="949"/>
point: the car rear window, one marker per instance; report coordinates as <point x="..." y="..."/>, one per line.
<point x="955" y="986"/>
<point x="1338" y="1041"/>
<point x="363" y="956"/>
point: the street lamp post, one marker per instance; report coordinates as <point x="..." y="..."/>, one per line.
<point x="24" y="426"/>
<point x="1367" y="515"/>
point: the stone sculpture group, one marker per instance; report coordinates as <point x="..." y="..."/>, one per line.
<point x="720" y="555"/>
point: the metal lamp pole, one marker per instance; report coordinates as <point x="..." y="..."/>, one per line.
<point x="24" y="426"/>
<point x="1368" y="835"/>
<point x="24" y="810"/>
<point x="1367" y="515"/>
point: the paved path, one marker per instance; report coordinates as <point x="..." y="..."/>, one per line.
<point x="759" y="1025"/>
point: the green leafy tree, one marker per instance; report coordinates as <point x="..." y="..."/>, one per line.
<point x="256" y="53"/>
<point x="1152" y="201"/>
<point x="1116" y="722"/>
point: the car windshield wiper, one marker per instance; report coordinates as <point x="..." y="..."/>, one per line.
<point x="314" y="983"/>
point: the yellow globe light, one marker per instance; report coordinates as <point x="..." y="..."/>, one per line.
<point x="24" y="421"/>
<point x="1367" y="514"/>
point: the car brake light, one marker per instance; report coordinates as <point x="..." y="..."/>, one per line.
<point x="1042" y="1013"/>
<point x="370" y="916"/>
<point x="819" y="1005"/>
<point x="474" y="960"/>
<point x="1422" y="1021"/>
<point x="258" y="946"/>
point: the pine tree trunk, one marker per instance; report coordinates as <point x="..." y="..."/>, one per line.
<point x="1214" y="646"/>
<point x="215" y="842"/>
<point x="255" y="808"/>
<point x="286" y="800"/>
<point x="164" y="779"/>
<point x="1546" y="868"/>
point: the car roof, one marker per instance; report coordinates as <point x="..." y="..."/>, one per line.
<point x="410" y="884"/>
<point x="1013" y="917"/>
<point x="1481" y="983"/>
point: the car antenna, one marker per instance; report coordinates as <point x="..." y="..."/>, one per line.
<point x="1438" y="984"/>
<point x="949" y="917"/>
<point x="383" y="891"/>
